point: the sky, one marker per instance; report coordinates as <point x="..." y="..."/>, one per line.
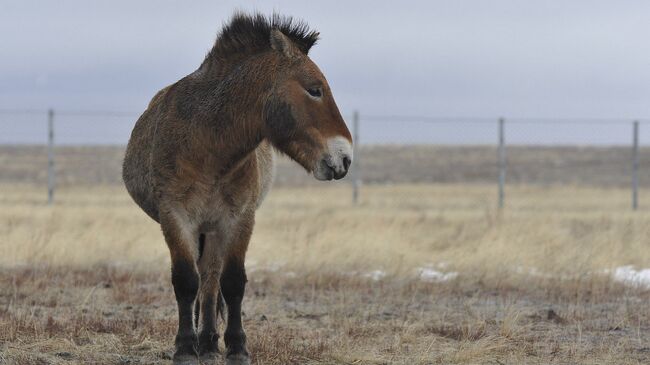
<point x="457" y="58"/>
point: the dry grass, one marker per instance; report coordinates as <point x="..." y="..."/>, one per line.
<point x="394" y="228"/>
<point x="87" y="280"/>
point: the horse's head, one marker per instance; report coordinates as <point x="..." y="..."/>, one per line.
<point x="301" y="116"/>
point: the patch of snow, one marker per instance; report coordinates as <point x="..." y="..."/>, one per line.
<point x="628" y="274"/>
<point x="432" y="275"/>
<point x="375" y="275"/>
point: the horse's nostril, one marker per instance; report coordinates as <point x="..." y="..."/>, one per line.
<point x="346" y="162"/>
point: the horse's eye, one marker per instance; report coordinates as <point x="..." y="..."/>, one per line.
<point x="315" y="92"/>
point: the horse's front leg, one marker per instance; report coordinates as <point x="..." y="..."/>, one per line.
<point x="233" y="284"/>
<point x="183" y="247"/>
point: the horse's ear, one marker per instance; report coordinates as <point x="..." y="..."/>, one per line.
<point x="282" y="43"/>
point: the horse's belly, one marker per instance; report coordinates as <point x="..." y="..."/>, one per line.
<point x="136" y="173"/>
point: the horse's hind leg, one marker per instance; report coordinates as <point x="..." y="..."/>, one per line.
<point x="210" y="265"/>
<point x="185" y="279"/>
<point x="233" y="283"/>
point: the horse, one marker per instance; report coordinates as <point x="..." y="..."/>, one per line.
<point x="200" y="160"/>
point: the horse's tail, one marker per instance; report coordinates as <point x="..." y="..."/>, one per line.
<point x="220" y="306"/>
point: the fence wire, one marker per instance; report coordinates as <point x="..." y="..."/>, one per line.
<point x="88" y="147"/>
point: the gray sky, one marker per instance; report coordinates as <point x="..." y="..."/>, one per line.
<point x="438" y="58"/>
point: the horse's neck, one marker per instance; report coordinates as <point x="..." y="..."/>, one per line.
<point x="232" y="126"/>
<point x="229" y="137"/>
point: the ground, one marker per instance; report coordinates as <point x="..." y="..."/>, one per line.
<point x="413" y="274"/>
<point x="108" y="315"/>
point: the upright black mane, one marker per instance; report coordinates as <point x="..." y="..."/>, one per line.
<point x="248" y="34"/>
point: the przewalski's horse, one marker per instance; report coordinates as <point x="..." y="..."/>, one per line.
<point x="200" y="160"/>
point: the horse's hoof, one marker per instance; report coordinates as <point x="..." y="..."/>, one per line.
<point x="186" y="360"/>
<point x="209" y="358"/>
<point x="238" y="359"/>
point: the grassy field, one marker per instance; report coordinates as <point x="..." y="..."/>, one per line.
<point x="414" y="274"/>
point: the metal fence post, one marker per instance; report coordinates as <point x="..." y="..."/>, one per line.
<point x="635" y="165"/>
<point x="50" y="157"/>
<point x="356" y="180"/>
<point x="502" y="162"/>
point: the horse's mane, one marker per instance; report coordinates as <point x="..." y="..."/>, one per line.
<point x="248" y="34"/>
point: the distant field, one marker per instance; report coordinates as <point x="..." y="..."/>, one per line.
<point x="414" y="274"/>
<point x="588" y="166"/>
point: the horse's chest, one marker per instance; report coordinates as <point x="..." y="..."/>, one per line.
<point x="218" y="210"/>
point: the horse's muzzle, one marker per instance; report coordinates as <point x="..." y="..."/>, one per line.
<point x="336" y="162"/>
<point x="327" y="170"/>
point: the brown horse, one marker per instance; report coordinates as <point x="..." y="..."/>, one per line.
<point x="200" y="160"/>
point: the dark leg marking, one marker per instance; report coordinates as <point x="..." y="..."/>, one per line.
<point x="185" y="280"/>
<point x="233" y="284"/>
<point x="208" y="337"/>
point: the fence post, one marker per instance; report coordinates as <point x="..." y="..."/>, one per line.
<point x="356" y="179"/>
<point x="50" y="157"/>
<point x="502" y="162"/>
<point x="635" y="165"/>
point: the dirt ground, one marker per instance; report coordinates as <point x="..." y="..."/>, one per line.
<point x="115" y="315"/>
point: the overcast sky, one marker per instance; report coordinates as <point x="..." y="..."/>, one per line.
<point x="435" y="58"/>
